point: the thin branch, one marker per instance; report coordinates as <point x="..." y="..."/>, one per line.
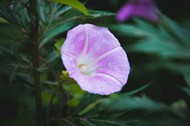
<point x="59" y="86"/>
<point x="51" y="69"/>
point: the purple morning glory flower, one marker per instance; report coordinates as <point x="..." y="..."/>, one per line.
<point x="145" y="9"/>
<point x="94" y="58"/>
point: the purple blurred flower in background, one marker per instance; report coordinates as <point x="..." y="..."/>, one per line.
<point x="94" y="58"/>
<point x="145" y="9"/>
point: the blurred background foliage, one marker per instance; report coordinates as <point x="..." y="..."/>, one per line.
<point x="158" y="89"/>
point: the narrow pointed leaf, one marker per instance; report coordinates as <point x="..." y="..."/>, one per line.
<point x="54" y="32"/>
<point x="75" y="4"/>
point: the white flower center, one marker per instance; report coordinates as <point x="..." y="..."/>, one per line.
<point x="86" y="69"/>
<point x="82" y="68"/>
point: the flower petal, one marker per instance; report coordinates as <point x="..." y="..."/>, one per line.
<point x="75" y="41"/>
<point x="116" y="65"/>
<point x="70" y="63"/>
<point x="145" y="9"/>
<point x="95" y="59"/>
<point x="125" y="12"/>
<point x="100" y="40"/>
<point x="99" y="84"/>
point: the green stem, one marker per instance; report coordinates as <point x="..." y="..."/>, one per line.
<point x="35" y="58"/>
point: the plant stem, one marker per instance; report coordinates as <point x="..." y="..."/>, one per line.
<point x="37" y="85"/>
<point x="59" y="86"/>
<point x="35" y="58"/>
<point x="51" y="69"/>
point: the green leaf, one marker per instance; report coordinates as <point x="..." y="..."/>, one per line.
<point x="156" y="40"/>
<point x="23" y="118"/>
<point x="98" y="14"/>
<point x="14" y="64"/>
<point x="187" y="91"/>
<point x="89" y="107"/>
<point x="64" y="18"/>
<point x="58" y="45"/>
<point x="125" y="103"/>
<point x="6" y="14"/>
<point x="163" y="47"/>
<point x="168" y="40"/>
<point x="128" y="30"/>
<point x="84" y="102"/>
<point x="16" y="14"/>
<point x="70" y="123"/>
<point x="9" y="34"/>
<point x="46" y="96"/>
<point x="187" y="79"/>
<point x="2" y="20"/>
<point x="75" y="4"/>
<point x="179" y="32"/>
<point x="111" y="122"/>
<point x="138" y="90"/>
<point x="86" y="122"/>
<point x="72" y="88"/>
<point x="56" y="31"/>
